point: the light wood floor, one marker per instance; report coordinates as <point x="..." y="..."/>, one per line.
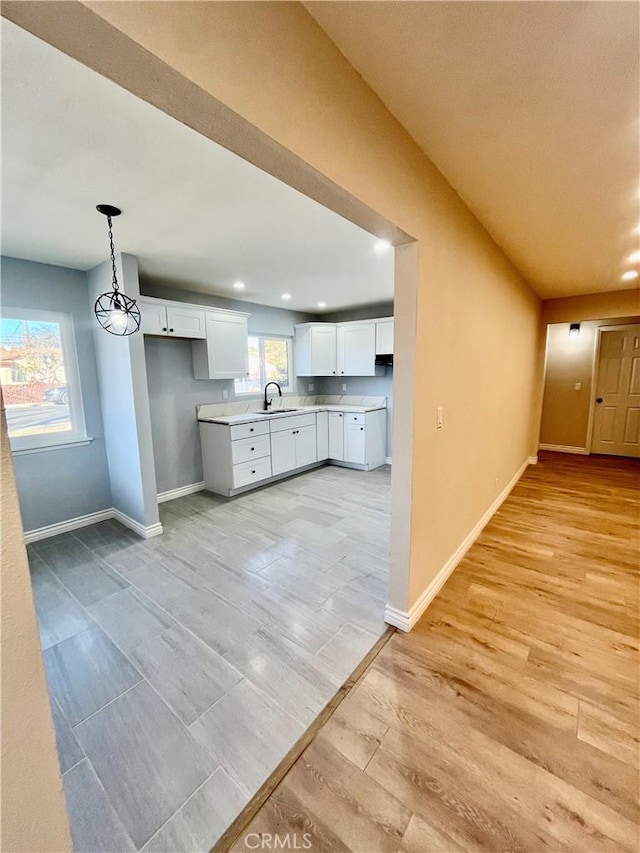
<point x="508" y="719"/>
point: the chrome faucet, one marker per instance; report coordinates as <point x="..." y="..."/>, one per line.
<point x="267" y="403"/>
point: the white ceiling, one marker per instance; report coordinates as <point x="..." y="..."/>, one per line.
<point x="529" y="109"/>
<point x="194" y="214"/>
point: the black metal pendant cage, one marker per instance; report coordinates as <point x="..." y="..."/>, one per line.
<point x="117" y="313"/>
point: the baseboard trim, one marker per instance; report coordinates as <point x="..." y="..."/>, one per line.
<point x="147" y="532"/>
<point x="65" y="526"/>
<point x="533" y="460"/>
<point x="562" y="448"/>
<point x="180" y="492"/>
<point x="93" y="518"/>
<point x="405" y="620"/>
<point x="387" y="460"/>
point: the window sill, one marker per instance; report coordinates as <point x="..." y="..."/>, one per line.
<point x="59" y="445"/>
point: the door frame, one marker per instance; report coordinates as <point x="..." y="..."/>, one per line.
<point x="594" y="377"/>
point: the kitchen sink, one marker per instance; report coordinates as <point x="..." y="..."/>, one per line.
<point x="274" y="412"/>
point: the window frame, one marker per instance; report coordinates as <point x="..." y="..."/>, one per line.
<point x="78" y="433"/>
<point x="288" y="339"/>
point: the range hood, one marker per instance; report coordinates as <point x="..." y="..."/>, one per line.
<point x="386" y="360"/>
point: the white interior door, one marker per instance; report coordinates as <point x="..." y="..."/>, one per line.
<point x="616" y="423"/>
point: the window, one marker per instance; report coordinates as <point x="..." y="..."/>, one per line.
<point x="269" y="361"/>
<point x="39" y="377"/>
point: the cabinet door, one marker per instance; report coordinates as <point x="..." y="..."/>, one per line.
<point x="306" y="450"/>
<point x="227" y="346"/>
<point x="336" y="436"/>
<point x="323" y="350"/>
<point x="153" y="318"/>
<point x="356" y="345"/>
<point x="283" y="451"/>
<point x="322" y="435"/>
<point x="186" y="322"/>
<point x="354" y="450"/>
<point x="384" y="338"/>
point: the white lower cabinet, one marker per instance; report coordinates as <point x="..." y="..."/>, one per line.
<point x="358" y="438"/>
<point x="322" y="435"/>
<point x="251" y="472"/>
<point x="293" y="442"/>
<point x="283" y="451"/>
<point x="237" y="457"/>
<point x="354" y="444"/>
<point x="336" y="436"/>
<point x="306" y="449"/>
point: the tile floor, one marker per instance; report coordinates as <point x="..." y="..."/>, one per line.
<point x="183" y="668"/>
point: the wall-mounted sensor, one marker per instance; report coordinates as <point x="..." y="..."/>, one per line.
<point x="574" y="330"/>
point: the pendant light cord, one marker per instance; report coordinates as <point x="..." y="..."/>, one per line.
<point x="113" y="256"/>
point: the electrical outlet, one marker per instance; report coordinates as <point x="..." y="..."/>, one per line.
<point x="225" y="394"/>
<point x="311" y="386"/>
<point x="344" y="386"/>
<point x="439" y="419"/>
<point x="577" y="386"/>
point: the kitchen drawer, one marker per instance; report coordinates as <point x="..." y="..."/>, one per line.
<point x="352" y="418"/>
<point x="245" y="449"/>
<point x="249" y="429"/>
<point x="251" y="472"/>
<point x="293" y="421"/>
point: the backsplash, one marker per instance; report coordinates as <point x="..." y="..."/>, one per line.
<point x="213" y="410"/>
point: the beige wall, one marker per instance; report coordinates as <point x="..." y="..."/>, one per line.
<point x="592" y="306"/>
<point x="34" y="817"/>
<point x="570" y="360"/>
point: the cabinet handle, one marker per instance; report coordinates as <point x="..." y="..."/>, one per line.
<point x="251" y="429"/>
<point x="333" y="371"/>
<point x="253" y="448"/>
<point x="340" y="415"/>
<point x="164" y="328"/>
<point x="361" y="429"/>
<point x="253" y="472"/>
<point x="171" y="330"/>
<point x="342" y="371"/>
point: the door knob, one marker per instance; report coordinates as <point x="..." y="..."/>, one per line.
<point x="599" y="400"/>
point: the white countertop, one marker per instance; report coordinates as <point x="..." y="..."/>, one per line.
<point x="248" y="417"/>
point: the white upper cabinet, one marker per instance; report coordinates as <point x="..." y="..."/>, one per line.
<point x="224" y="352"/>
<point x="186" y="322"/>
<point x="356" y="349"/>
<point x="384" y="337"/>
<point x="342" y="349"/>
<point x="171" y="320"/>
<point x="316" y="349"/>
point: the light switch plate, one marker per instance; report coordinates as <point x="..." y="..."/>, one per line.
<point x="577" y="386"/>
<point x="311" y="386"/>
<point x="344" y="386"/>
<point x="225" y="394"/>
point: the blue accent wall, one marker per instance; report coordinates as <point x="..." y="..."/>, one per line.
<point x="56" y="485"/>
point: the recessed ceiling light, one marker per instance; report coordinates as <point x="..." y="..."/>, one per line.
<point x="322" y="304"/>
<point x="286" y="296"/>
<point x="382" y="246"/>
<point x="239" y="285"/>
<point x="634" y="257"/>
<point x="630" y="275"/>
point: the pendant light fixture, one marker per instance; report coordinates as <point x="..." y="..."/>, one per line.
<point x="116" y="312"/>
